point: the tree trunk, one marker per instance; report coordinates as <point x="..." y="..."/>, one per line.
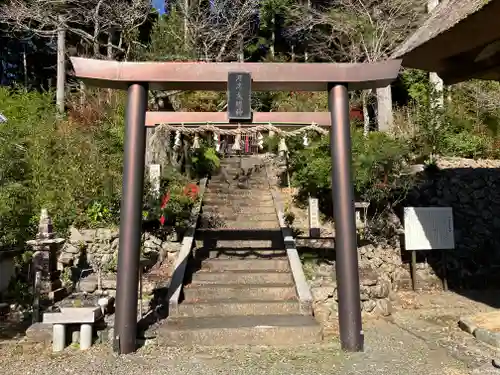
<point x="186" y="22"/>
<point x="61" y="67"/>
<point x="110" y="57"/>
<point x="437" y="98"/>
<point x="241" y="54"/>
<point x="25" y="67"/>
<point x="384" y="108"/>
<point x="306" y="54"/>
<point x="82" y="93"/>
<point x="273" y="35"/>
<point x="366" y="114"/>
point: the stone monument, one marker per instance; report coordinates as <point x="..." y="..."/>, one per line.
<point x="46" y="248"/>
<point x="314" y="224"/>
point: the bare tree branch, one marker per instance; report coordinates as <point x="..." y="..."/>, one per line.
<point x="221" y="32"/>
<point x="87" y="19"/>
<point x="356" y="30"/>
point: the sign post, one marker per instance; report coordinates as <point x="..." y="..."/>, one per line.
<point x="429" y="228"/>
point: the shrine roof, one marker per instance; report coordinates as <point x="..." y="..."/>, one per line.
<point x="459" y="40"/>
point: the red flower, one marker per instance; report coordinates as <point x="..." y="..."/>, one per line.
<point x="191" y="190"/>
<point x="162" y="220"/>
<point x="165" y="200"/>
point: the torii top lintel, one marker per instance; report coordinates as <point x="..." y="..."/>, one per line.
<point x="213" y="76"/>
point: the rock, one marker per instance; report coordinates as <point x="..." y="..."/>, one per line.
<point x="66" y="258"/>
<point x="109" y="282"/>
<point x="106" y="260"/>
<point x="105" y="303"/>
<point x="322" y="313"/>
<point x="490" y="337"/>
<point x="467" y="325"/>
<point x="382" y="289"/>
<point x="70" y="248"/>
<point x="4" y="308"/>
<point x="150" y="244"/>
<point x="377" y="262"/>
<point x="170" y="247"/>
<point x="104" y="235"/>
<point x="384" y="307"/>
<point x="368" y="277"/>
<point x="88" y="285"/>
<point x="368" y="305"/>
<point x="75" y="236"/>
<point x="155" y="240"/>
<point x="88" y="235"/>
<point x="39" y="333"/>
<point x="115" y="244"/>
<point x="322" y="294"/>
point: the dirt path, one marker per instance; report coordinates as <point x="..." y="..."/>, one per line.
<point x="389" y="350"/>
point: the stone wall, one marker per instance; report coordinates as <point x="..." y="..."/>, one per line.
<point x="100" y="246"/>
<point x="7" y="271"/>
<point x="472" y="189"/>
<point x="382" y="274"/>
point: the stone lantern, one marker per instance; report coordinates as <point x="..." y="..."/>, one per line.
<point x="46" y="248"/>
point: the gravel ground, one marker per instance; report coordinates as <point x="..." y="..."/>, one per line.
<point x="389" y="350"/>
<point x="433" y="317"/>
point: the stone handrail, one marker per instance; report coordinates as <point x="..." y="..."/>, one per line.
<point x="301" y="285"/>
<point x="177" y="279"/>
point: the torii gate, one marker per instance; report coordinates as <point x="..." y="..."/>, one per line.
<point x="336" y="79"/>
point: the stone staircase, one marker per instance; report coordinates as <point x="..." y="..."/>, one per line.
<point x="239" y="288"/>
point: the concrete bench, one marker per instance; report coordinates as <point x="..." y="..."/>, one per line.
<point x="85" y="316"/>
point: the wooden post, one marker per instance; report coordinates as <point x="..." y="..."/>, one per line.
<point x="414" y="270"/>
<point x="444" y="261"/>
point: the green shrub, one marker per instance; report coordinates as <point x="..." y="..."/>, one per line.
<point x="204" y="161"/>
<point x="379" y="164"/>
<point x="465" y="144"/>
<point x="71" y="168"/>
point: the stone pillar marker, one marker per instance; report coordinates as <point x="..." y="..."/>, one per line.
<point x="155" y="179"/>
<point x="46" y="247"/>
<point x="314" y="226"/>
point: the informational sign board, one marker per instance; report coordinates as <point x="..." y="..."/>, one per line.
<point x="429" y="228"/>
<point x="239" y="96"/>
<point x="314" y="224"/>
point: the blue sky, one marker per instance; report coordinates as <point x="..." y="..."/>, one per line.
<point x="160" y="5"/>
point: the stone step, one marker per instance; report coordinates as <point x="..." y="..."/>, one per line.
<point x="232" y="172"/>
<point x="233" y="189"/>
<point x="247" y="245"/>
<point x="273" y="330"/>
<point x="235" y="210"/>
<point x="242" y="277"/>
<point x="246" y="253"/>
<point x="231" y="264"/>
<point x="240" y="194"/>
<point x="248" y="216"/>
<point x="235" y="202"/>
<point x="247" y="224"/>
<point x="235" y="160"/>
<point x="222" y="185"/>
<point x="233" y="308"/>
<point x="255" y="292"/>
